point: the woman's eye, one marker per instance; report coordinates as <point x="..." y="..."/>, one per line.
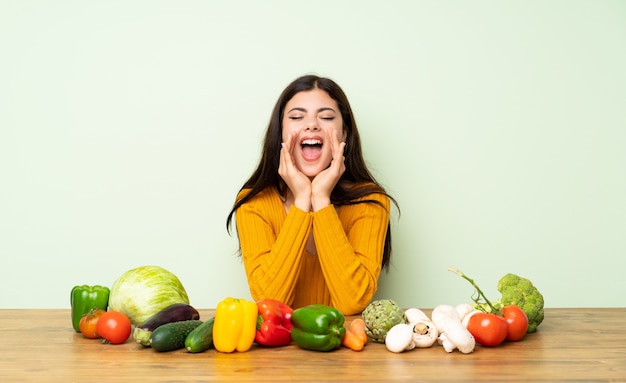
<point x="328" y="118"/>
<point x="295" y="117"/>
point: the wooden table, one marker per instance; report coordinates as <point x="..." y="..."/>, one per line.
<point x="571" y="345"/>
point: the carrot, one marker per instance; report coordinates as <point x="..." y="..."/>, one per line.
<point x="355" y="337"/>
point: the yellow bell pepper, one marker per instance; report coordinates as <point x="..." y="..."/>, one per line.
<point x="234" y="325"/>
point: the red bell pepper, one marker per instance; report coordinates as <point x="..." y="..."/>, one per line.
<point x="274" y="323"/>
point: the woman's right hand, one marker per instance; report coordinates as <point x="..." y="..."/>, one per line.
<point x="298" y="183"/>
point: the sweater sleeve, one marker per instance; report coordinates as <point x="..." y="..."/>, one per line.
<point x="350" y="251"/>
<point x="272" y="254"/>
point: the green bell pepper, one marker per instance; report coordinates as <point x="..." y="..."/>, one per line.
<point x="317" y="327"/>
<point x="86" y="298"/>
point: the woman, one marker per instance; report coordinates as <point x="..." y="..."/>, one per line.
<point x="313" y="224"/>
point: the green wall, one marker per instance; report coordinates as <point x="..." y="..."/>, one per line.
<point x="127" y="127"/>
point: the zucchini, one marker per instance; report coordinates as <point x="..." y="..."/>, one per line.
<point x="174" y="313"/>
<point x="201" y="338"/>
<point x="171" y="336"/>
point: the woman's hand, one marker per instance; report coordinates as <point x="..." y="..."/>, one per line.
<point x="324" y="183"/>
<point x="298" y="183"/>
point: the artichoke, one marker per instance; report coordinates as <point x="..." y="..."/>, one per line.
<point x="380" y="316"/>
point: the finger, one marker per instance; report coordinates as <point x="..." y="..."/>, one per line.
<point x="341" y="150"/>
<point x="338" y="158"/>
<point x="334" y="142"/>
<point x="292" y="143"/>
<point x="287" y="158"/>
<point x="282" y="160"/>
<point x="289" y="147"/>
<point x="337" y="147"/>
<point x="283" y="153"/>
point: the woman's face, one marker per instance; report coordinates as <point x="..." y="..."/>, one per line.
<point x="310" y="119"/>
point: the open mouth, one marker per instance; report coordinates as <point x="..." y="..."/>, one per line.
<point x="311" y="148"/>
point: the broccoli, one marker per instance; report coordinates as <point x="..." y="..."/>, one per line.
<point x="516" y="291"/>
<point x="521" y="292"/>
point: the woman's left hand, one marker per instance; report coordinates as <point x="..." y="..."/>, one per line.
<point x="324" y="183"/>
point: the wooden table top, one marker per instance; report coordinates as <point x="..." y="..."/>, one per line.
<point x="570" y="345"/>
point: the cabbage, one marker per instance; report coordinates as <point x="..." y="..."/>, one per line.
<point x="144" y="291"/>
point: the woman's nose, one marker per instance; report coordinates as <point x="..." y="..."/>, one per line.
<point x="312" y="125"/>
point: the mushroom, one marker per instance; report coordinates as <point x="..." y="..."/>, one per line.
<point x="418" y="332"/>
<point x="399" y="338"/>
<point x="425" y="332"/>
<point x="452" y="334"/>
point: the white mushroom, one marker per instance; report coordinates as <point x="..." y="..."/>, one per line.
<point x="400" y="338"/>
<point x="452" y="334"/>
<point x="420" y="331"/>
<point x="425" y="332"/>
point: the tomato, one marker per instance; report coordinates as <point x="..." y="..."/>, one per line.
<point x="517" y="322"/>
<point x="87" y="324"/>
<point x="488" y="329"/>
<point x="114" y="327"/>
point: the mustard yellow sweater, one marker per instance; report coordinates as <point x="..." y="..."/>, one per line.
<point x="349" y="242"/>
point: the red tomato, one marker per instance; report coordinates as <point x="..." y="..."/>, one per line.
<point x="114" y="327"/>
<point x="517" y="322"/>
<point x="488" y="329"/>
<point x="88" y="322"/>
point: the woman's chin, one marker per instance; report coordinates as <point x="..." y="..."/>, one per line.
<point x="312" y="170"/>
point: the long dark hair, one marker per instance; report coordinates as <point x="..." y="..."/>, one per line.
<point x="356" y="182"/>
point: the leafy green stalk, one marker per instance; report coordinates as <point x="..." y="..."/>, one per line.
<point x="480" y="293"/>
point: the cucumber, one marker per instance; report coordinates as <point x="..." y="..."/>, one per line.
<point x="201" y="338"/>
<point x="171" y="336"/>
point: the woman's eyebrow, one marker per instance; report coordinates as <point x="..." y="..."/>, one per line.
<point x="325" y="109"/>
<point x="301" y="109"/>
